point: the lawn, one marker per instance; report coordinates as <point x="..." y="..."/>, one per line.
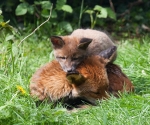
<point x="17" y="64"/>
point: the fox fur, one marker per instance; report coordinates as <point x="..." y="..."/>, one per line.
<point x="50" y="81"/>
<point x="118" y="81"/>
<point x="97" y="78"/>
<point x="72" y="49"/>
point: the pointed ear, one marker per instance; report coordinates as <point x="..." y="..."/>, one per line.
<point x="84" y="43"/>
<point x="108" y="53"/>
<point x="57" y="42"/>
<point x="75" y="77"/>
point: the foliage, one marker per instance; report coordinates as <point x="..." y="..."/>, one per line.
<point x="40" y="9"/>
<point x="63" y="18"/>
<point x="100" y="12"/>
<point x="125" y="19"/>
<point x="7" y="32"/>
<point x="130" y="19"/>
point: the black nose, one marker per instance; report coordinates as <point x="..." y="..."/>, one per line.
<point x="70" y="70"/>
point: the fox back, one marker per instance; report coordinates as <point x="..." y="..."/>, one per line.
<point x="100" y="40"/>
<point x="71" y="50"/>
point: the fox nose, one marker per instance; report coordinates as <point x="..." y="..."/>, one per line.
<point x="69" y="70"/>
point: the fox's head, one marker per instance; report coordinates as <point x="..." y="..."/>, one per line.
<point x="103" y="57"/>
<point x="90" y="81"/>
<point x="69" y="51"/>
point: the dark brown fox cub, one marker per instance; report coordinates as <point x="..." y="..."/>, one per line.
<point x="71" y="50"/>
<point x="93" y="80"/>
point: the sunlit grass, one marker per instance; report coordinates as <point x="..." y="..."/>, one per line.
<point x="18" y="64"/>
<point x="134" y="58"/>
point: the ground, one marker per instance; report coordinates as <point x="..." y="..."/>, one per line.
<point x="17" y="64"/>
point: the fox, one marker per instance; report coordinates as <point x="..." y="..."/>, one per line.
<point x="71" y="50"/>
<point x="95" y="78"/>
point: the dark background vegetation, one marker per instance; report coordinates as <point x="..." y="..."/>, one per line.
<point x="131" y="17"/>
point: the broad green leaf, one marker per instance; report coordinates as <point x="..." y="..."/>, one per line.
<point x="45" y="13"/>
<point x="111" y="13"/>
<point x="31" y="9"/>
<point x="60" y="3"/>
<point x="21" y="9"/>
<point x="98" y="8"/>
<point x="66" y="26"/>
<point x="46" y="5"/>
<point x="103" y="13"/>
<point x="89" y="11"/>
<point x="9" y="37"/>
<point x="54" y="14"/>
<point x="67" y="8"/>
<point x="102" y="10"/>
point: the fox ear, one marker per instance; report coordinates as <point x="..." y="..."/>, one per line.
<point x="108" y="53"/>
<point x="84" y="43"/>
<point x="57" y="42"/>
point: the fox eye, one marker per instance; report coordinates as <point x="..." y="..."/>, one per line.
<point x="60" y="57"/>
<point x="76" y="58"/>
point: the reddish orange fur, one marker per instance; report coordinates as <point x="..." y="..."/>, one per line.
<point x="50" y="81"/>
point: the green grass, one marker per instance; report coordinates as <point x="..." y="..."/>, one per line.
<point x="18" y="64"/>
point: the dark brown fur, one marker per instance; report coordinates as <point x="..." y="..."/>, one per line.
<point x="118" y="81"/>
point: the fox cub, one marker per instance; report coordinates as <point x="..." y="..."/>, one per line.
<point x="71" y="50"/>
<point x="94" y="78"/>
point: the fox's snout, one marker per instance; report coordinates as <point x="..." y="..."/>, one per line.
<point x="69" y="69"/>
<point x="69" y="66"/>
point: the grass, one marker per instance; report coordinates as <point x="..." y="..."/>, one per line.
<point x="17" y="107"/>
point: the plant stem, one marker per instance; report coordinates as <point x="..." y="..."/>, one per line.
<point x="92" y="22"/>
<point x="37" y="27"/>
<point x="81" y="12"/>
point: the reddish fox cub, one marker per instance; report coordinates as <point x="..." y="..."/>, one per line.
<point x="71" y="50"/>
<point x="93" y="79"/>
